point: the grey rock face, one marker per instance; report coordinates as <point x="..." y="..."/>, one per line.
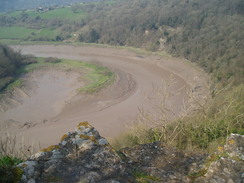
<point x="81" y="156"/>
<point x="229" y="166"/>
<point x="84" y="156"/>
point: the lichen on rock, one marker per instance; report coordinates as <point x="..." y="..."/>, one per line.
<point x="229" y="166"/>
<point x="85" y="156"/>
<point x="82" y="155"/>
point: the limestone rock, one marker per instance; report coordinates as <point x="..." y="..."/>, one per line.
<point x="84" y="156"/>
<point x="162" y="163"/>
<point x="228" y="166"/>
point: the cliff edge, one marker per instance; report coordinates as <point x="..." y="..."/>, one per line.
<point x="85" y="156"/>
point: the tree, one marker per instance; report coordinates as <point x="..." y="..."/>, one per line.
<point x="94" y="36"/>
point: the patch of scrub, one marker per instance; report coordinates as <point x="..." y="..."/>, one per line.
<point x="97" y="77"/>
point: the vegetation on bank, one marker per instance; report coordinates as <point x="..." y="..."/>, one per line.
<point x="13" y="64"/>
<point x="204" y="129"/>
<point x="11" y="154"/>
<point x="97" y="77"/>
<point x="10" y="62"/>
<point x="203" y="124"/>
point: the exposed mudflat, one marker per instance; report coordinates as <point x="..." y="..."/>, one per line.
<point x="44" y="94"/>
<point x="51" y="106"/>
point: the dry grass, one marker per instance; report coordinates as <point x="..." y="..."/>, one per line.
<point x="202" y="124"/>
<point x="11" y="146"/>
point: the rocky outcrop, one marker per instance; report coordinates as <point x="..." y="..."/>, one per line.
<point x="80" y="156"/>
<point x="85" y="156"/>
<point x="227" y="164"/>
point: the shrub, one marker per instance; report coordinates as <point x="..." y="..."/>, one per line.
<point x="52" y="60"/>
<point x="5" y="81"/>
<point x="8" y="170"/>
<point x="204" y="129"/>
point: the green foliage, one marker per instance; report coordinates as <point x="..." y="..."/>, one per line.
<point x="96" y="76"/>
<point x="9" y="161"/>
<point x="63" y="13"/>
<point x="14" y="84"/>
<point x="52" y="60"/>
<point x="10" y="63"/>
<point x="8" y="170"/>
<point x="15" y="32"/>
<point x="5" y="82"/>
<point x="204" y="32"/>
<point x="142" y="177"/>
<point x="45" y="34"/>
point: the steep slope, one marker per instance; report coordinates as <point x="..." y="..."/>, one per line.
<point x="209" y="33"/>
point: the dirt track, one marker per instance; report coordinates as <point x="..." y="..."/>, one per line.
<point x="116" y="106"/>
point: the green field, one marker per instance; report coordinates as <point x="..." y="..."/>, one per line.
<point x="15" y="32"/>
<point x="23" y="33"/>
<point x="14" y="14"/>
<point x="39" y="26"/>
<point x="62" y="13"/>
<point x="46" y="34"/>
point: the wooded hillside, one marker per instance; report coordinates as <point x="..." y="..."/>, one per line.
<point x="209" y="32"/>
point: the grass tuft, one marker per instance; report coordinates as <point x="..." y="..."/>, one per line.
<point x="143" y="177"/>
<point x="50" y="148"/>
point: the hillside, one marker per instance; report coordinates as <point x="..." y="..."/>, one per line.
<point x="209" y="33"/>
<point x="11" y="5"/>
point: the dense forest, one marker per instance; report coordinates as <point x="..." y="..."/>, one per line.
<point x="208" y="32"/>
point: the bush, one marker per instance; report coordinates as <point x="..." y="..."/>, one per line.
<point x="52" y="60"/>
<point x="5" y="81"/>
<point x="8" y="170"/>
<point x="12" y="153"/>
<point x="10" y="64"/>
<point x="29" y="59"/>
